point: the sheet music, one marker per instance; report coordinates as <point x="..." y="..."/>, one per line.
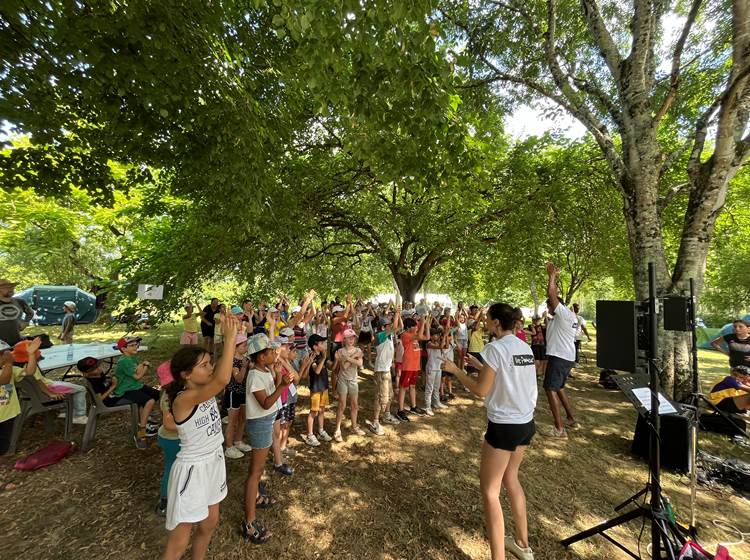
<point x="643" y="394"/>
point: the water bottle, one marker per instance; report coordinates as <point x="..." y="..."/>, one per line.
<point x="70" y="353"/>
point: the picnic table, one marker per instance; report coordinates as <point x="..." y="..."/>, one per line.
<point x="56" y="357"/>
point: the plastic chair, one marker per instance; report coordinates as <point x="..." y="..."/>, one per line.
<point x="98" y="408"/>
<point x="33" y="401"/>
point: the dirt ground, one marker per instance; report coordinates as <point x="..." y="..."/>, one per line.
<point x="412" y="494"/>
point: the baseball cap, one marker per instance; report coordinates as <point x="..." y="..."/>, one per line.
<point x="349" y="332"/>
<point x="71" y="305"/>
<point x="258" y="343"/>
<point x="296" y="309"/>
<point x="21" y="353"/>
<point x="87" y="364"/>
<point x="236" y="310"/>
<point x="385" y="321"/>
<point x="315" y="339"/>
<point x="4" y="346"/>
<point x="125" y="340"/>
<point x="272" y="310"/>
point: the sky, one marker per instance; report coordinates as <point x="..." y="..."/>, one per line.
<point x="528" y="121"/>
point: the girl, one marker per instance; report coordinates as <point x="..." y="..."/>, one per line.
<point x="476" y="341"/>
<point x="285" y="415"/>
<point x="190" y="325"/>
<point x="348" y="362"/>
<point x="197" y="481"/>
<point x="168" y="438"/>
<point x="10" y="406"/>
<point x="507" y="381"/>
<point x="365" y="333"/>
<point x="261" y="406"/>
<point x="234" y="399"/>
<point x="538" y="345"/>
<point x="433" y="368"/>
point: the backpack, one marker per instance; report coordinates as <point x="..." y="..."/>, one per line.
<point x="54" y="452"/>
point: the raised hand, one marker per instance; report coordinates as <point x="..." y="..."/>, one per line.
<point x="552" y="270"/>
<point x="34" y="345"/>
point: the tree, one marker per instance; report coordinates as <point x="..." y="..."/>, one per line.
<point x="637" y="93"/>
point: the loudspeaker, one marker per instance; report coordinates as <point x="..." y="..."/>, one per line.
<point x="677" y="313"/>
<point x="676" y="443"/>
<point x="617" y="335"/>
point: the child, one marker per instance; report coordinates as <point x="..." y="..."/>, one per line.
<point x="54" y="390"/>
<point x="168" y="438"/>
<point x="103" y="385"/>
<point x="68" y="322"/>
<point x="197" y="481"/>
<point x="10" y="407"/>
<point x="384" y="351"/>
<point x="476" y="342"/>
<point x="315" y="367"/>
<point x="285" y="415"/>
<point x="446" y="390"/>
<point x="234" y="399"/>
<point x="732" y="394"/>
<point x="129" y="373"/>
<point x="348" y="360"/>
<point x="261" y="406"/>
<point x="189" y="335"/>
<point x="410" y="340"/>
<point x="435" y="346"/>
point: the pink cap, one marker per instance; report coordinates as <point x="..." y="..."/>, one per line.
<point x="239" y="339"/>
<point x="164" y="373"/>
<point x="349" y="332"/>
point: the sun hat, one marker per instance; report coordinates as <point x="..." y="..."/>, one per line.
<point x="281" y="341"/>
<point x="164" y="373"/>
<point x="385" y="321"/>
<point x="258" y="343"/>
<point x="349" y="332"/>
<point x="70" y="305"/>
<point x="239" y="339"/>
<point x="408" y="312"/>
<point x="296" y="309"/>
<point x="315" y="339"/>
<point x="272" y="310"/>
<point x="236" y="310"/>
<point x="87" y="364"/>
<point x="337" y="309"/>
<point x="125" y="340"/>
<point x="288" y="332"/>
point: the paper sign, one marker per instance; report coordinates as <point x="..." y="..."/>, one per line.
<point x="150" y="291"/>
<point x="643" y="394"/>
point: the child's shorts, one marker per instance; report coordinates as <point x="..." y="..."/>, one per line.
<point x="318" y="401"/>
<point x="193" y="486"/>
<point x="286" y="413"/>
<point x="346" y="387"/>
<point x="233" y="401"/>
<point x="408" y="378"/>
<point x="189" y="338"/>
<point x="260" y="431"/>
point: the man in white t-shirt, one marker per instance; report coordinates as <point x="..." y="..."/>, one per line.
<point x="561" y="353"/>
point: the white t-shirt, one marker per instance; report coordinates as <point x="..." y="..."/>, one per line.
<point x="384" y="352"/>
<point x="434" y="359"/>
<point x="512" y="398"/>
<point x="579" y="329"/>
<point x="256" y="380"/>
<point x="561" y="333"/>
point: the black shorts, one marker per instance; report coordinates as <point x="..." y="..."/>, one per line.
<point x="556" y="373"/>
<point x="728" y="405"/>
<point x="232" y="400"/>
<point x="286" y="413"/>
<point x="446" y="375"/>
<point x="141" y="396"/>
<point x="578" y="350"/>
<point x="509" y="436"/>
<point x="207" y="330"/>
<point x="540" y="351"/>
<point x="365" y="337"/>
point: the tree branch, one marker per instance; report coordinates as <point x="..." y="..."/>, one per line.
<point x="602" y="38"/>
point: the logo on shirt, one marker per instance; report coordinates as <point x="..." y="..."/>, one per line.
<point x="523" y="360"/>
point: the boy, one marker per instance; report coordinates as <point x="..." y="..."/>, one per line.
<point x="435" y="348"/>
<point x="384" y="353"/>
<point x="314" y="365"/>
<point x="68" y="322"/>
<point x="732" y="394"/>
<point x="102" y="385"/>
<point x="410" y="340"/>
<point x="129" y="374"/>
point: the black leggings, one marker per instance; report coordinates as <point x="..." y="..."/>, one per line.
<point x="6" y="429"/>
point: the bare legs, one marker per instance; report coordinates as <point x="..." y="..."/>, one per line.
<point x="555" y="398"/>
<point x="179" y="537"/>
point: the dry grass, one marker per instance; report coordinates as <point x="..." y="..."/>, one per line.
<point x="412" y="494"/>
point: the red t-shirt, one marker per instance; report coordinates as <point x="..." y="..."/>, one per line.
<point x="338" y="331"/>
<point x="412" y="352"/>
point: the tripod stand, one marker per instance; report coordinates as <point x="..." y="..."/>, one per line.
<point x="665" y="535"/>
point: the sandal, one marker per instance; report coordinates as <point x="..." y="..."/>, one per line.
<point x="572" y="424"/>
<point x="264" y="502"/>
<point x="255" y="532"/>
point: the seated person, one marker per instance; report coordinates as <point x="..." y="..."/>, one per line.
<point x="129" y="386"/>
<point x="54" y="390"/>
<point x="732" y="394"/>
<point x="102" y="384"/>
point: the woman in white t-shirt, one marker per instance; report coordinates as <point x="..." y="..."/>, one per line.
<point x="507" y="381"/>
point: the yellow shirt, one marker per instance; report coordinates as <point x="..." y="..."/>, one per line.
<point x="191" y="324"/>
<point x="476" y="341"/>
<point x="10" y="407"/>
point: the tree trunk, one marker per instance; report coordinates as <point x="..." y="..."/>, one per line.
<point x="408" y="285"/>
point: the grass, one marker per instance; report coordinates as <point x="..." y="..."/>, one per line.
<point x="413" y="493"/>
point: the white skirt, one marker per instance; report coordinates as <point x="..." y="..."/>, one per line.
<point x="193" y="486"/>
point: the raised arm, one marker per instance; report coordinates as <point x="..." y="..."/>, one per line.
<point x="552" y="273"/>
<point x="716" y="343"/>
<point x="480" y="386"/>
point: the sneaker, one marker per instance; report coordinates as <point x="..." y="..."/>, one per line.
<point x="358" y="431"/>
<point x="440" y="405"/>
<point x="140" y="443"/>
<point x="161" y="507"/>
<point x="375" y="428"/>
<point x="418" y="411"/>
<point x="225" y="420"/>
<point x="451" y="396"/>
<point x="233" y="453"/>
<point x="520" y="552"/>
<point x="242" y="446"/>
<point x="443" y="398"/>
<point x="569" y="424"/>
<point x="401" y="415"/>
<point x="322" y="434"/>
<point x="152" y="430"/>
<point x="391" y="420"/>
<point x="553" y="432"/>
<point x="289" y="453"/>
<point x="311" y="440"/>
<point x="284" y="469"/>
<point x="84" y="420"/>
<point x="428" y="412"/>
<point x="337" y="436"/>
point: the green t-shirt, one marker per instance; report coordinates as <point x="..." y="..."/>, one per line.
<point x="124" y="373"/>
